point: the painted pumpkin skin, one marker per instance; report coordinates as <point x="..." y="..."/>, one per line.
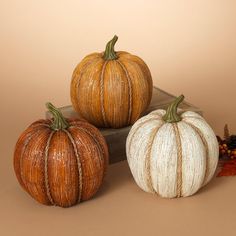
<point x="111" y="89"/>
<point x="171" y="154"/>
<point x="60" y="162"/>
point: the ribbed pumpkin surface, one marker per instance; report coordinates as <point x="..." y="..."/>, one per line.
<point x="61" y="167"/>
<point x="173" y="158"/>
<point x="111" y="93"/>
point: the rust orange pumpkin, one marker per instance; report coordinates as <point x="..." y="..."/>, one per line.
<point x="60" y="161"/>
<point x="111" y="89"/>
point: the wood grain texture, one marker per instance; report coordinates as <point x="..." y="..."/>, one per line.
<point x="116" y="138"/>
<point x="154" y="155"/>
<point x="61" y="167"/>
<point x="111" y="93"/>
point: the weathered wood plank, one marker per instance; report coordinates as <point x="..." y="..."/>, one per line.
<point x="116" y="138"/>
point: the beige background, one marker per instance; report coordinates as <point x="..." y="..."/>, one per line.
<point x="190" y="47"/>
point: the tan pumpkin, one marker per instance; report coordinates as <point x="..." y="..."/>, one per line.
<point x="111" y="89"/>
<point x="172" y="153"/>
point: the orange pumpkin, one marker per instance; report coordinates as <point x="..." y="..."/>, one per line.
<point x="60" y="162"/>
<point x="111" y="89"/>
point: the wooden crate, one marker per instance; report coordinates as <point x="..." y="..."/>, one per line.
<point x="116" y="138"/>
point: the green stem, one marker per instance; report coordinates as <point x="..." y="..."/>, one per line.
<point x="171" y="115"/>
<point x="59" y="121"/>
<point x="110" y="53"/>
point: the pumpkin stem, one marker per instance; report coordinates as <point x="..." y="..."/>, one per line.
<point x="110" y="53"/>
<point x="59" y="121"/>
<point x="171" y="115"/>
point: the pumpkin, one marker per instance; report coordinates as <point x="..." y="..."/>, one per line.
<point x="111" y="89"/>
<point x="172" y="153"/>
<point x="60" y="161"/>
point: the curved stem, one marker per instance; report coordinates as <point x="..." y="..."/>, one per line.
<point x="59" y="121"/>
<point x="171" y="115"/>
<point x="110" y="53"/>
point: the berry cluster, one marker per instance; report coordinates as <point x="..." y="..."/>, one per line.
<point x="226" y="151"/>
<point x="227" y="146"/>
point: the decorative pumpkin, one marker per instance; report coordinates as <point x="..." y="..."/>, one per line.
<point x="170" y="153"/>
<point x="60" y="162"/>
<point x="111" y="89"/>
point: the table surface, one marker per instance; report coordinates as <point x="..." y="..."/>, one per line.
<point x="121" y="208"/>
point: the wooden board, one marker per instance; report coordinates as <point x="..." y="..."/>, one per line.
<point x="116" y="138"/>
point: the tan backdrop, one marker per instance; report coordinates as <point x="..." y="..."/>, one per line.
<point x="190" y="47"/>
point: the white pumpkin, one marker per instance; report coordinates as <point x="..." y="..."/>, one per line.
<point x="171" y="153"/>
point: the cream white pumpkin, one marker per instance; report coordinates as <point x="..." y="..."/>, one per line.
<point x="171" y="153"/>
